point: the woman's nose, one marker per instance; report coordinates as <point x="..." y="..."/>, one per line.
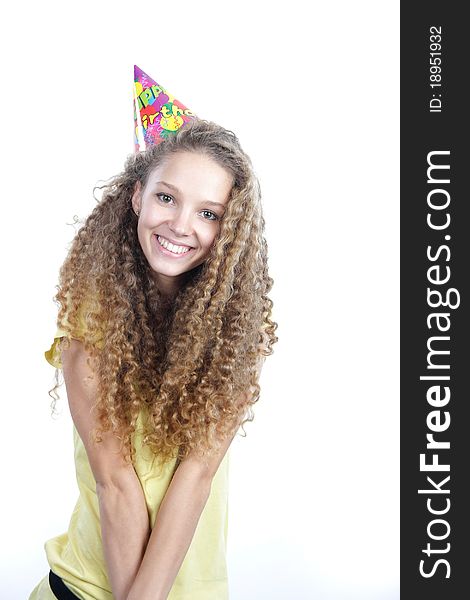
<point x="181" y="223"/>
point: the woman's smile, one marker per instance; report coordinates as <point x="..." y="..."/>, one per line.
<point x="169" y="249"/>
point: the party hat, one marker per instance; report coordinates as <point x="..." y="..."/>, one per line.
<point x="157" y="114"/>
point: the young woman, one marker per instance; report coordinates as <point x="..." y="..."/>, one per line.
<point x="164" y="324"/>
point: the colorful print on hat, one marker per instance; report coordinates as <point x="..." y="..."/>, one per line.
<point x="157" y="113"/>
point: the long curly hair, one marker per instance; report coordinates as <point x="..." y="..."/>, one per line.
<point x="193" y="362"/>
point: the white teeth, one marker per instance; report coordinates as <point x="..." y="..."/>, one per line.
<point x="171" y="247"/>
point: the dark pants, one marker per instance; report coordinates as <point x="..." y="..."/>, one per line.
<point x="60" y="590"/>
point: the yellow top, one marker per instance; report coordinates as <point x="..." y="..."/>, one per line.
<point x="77" y="555"/>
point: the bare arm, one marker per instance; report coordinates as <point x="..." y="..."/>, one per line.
<point x="176" y="522"/>
<point x="125" y="530"/>
<point x="124" y="519"/>
<point x="174" y="526"/>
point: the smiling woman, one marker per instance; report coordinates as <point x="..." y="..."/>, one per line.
<point x="164" y="324"/>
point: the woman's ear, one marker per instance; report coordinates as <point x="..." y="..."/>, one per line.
<point x="137" y="198"/>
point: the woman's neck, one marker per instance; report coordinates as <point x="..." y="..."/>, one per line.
<point x="170" y="286"/>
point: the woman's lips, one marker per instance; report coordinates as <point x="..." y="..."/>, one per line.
<point x="174" y="242"/>
<point x="167" y="252"/>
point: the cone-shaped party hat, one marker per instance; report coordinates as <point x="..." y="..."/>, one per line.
<point x="157" y="114"/>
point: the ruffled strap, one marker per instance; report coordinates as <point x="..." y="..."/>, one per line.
<point x="53" y="355"/>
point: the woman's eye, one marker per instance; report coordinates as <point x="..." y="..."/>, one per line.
<point x="163" y="197"/>
<point x="212" y="216"/>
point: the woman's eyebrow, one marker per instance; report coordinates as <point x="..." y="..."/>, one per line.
<point x="173" y="187"/>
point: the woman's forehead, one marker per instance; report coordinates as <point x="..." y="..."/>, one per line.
<point x="192" y="173"/>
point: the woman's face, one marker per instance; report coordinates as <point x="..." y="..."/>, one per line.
<point x="180" y="209"/>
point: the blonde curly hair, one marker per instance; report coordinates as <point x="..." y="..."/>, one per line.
<point x="192" y="363"/>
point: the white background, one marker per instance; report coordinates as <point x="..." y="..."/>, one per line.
<point x="311" y="89"/>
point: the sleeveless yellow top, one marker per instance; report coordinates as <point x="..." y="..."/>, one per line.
<point x="77" y="555"/>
